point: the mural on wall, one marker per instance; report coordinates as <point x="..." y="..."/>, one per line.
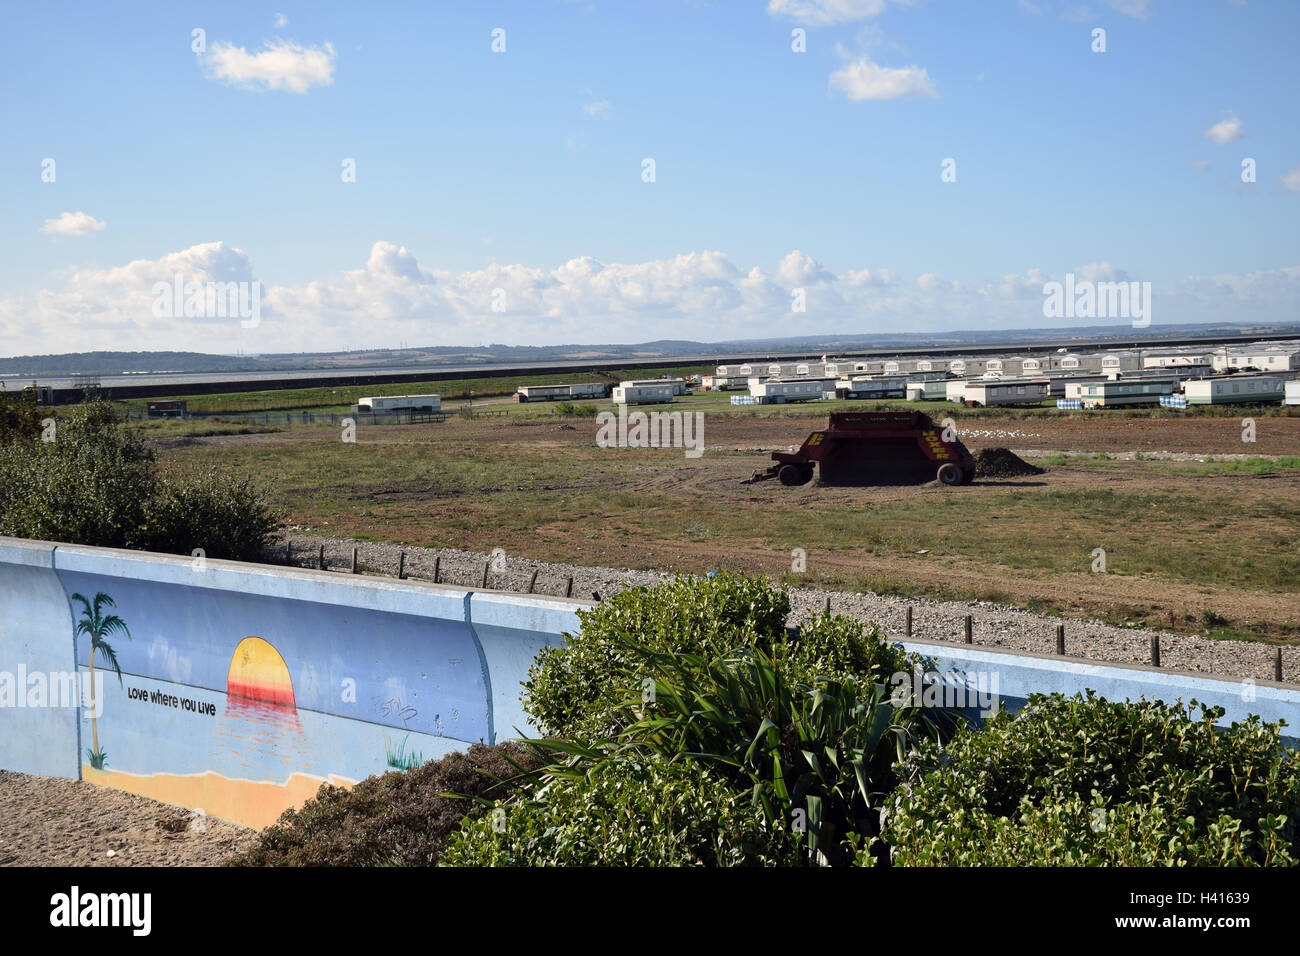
<point x="241" y="706"/>
<point x="97" y="627"/>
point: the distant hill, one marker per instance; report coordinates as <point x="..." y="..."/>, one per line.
<point x="116" y="363"/>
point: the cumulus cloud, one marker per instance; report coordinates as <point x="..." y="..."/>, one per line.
<point x="1291" y="180"/>
<point x="862" y="79"/>
<point x="392" y="297"/>
<point x="281" y="21"/>
<point x="1133" y="8"/>
<point x="1200" y="165"/>
<point x="598" y="108"/>
<point x="825" y="12"/>
<point x="281" y="65"/>
<point x="1226" y="130"/>
<point x="73" y="224"/>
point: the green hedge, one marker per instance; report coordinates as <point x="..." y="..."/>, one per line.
<point x="1086" y="781"/>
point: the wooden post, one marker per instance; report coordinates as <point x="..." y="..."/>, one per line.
<point x="1155" y="650"/>
<point x="354" y="560"/>
<point x="487" y="566"/>
<point x="909" y="620"/>
<point x="288" y="551"/>
<point x="970" y="626"/>
<point x="596" y="595"/>
<point x="320" y="559"/>
<point x="401" y="565"/>
<point x="1060" y="639"/>
<point x="828" y="606"/>
<point x="532" y="582"/>
<point x="568" y="588"/>
<point x="437" y="560"/>
<point x="1277" y="666"/>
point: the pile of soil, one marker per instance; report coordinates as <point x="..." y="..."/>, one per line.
<point x="1002" y="463"/>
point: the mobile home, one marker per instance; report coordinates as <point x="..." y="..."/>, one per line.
<point x="777" y="392"/>
<point x="1141" y="391"/>
<point x="400" y="403"/>
<point x="1007" y="391"/>
<point x="1235" y="389"/>
<point x="643" y="393"/>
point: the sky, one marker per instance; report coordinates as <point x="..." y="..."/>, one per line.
<point x="547" y="172"/>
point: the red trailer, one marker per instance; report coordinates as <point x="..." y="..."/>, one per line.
<point x="875" y="448"/>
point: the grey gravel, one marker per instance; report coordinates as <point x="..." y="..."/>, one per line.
<point x="994" y="625"/>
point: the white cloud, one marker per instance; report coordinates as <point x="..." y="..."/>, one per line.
<point x="864" y="80"/>
<point x="391" y="297"/>
<point x="280" y="66"/>
<point x="1200" y="165"/>
<point x="598" y="108"/>
<point x="73" y="224"/>
<point x="1133" y="8"/>
<point x="824" y="12"/>
<point x="1226" y="130"/>
<point x="1291" y="180"/>
<point x="281" y="21"/>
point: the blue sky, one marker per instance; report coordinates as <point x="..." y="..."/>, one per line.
<point x="521" y="171"/>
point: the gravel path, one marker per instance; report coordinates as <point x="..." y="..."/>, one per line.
<point x="49" y="821"/>
<point x="994" y="625"/>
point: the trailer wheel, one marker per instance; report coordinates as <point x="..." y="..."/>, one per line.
<point x="950" y="474"/>
<point x="794" y="474"/>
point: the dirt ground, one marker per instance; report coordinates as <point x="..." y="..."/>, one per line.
<point x="700" y="495"/>
<point x="49" y="821"/>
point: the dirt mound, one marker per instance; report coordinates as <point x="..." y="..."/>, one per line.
<point x="1002" y="463"/>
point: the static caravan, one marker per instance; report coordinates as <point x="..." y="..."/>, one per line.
<point x="559" y="393"/>
<point x="955" y="390"/>
<point x="778" y="392"/>
<point x="721" y="383"/>
<point x="400" y="403"/>
<point x="1271" y="358"/>
<point x="926" y="389"/>
<point x="643" y="393"/>
<point x="1070" y="387"/>
<point x="1235" y="389"/>
<point x="1018" y="391"/>
<point x="858" y="388"/>
<point x="1139" y="391"/>
<point x="588" y="390"/>
<point x="678" y="385"/>
<point x="1292" y="393"/>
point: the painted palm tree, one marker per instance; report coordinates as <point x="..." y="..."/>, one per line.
<point x="97" y="626"/>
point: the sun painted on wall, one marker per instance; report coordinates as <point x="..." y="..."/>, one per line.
<point x="258" y="673"/>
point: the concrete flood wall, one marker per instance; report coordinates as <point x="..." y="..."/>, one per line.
<point x="244" y="687"/>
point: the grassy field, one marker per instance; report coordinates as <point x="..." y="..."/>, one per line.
<point x="326" y="399"/>
<point x="1181" y="540"/>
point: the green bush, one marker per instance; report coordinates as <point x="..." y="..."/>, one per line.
<point x="570" y="689"/>
<point x="20" y="416"/>
<point x="400" y="818"/>
<point x="98" y="483"/>
<point x="1082" y="780"/>
<point x="626" y="811"/>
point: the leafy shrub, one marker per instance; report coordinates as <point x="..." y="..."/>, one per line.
<point x="225" y="515"/>
<point x="570" y="689"/>
<point x="98" y="483"/>
<point x="397" y="818"/>
<point x="20" y="416"/>
<point x="626" y="811"/>
<point x="581" y="411"/>
<point x="818" y="756"/>
<point x="1083" y="780"/>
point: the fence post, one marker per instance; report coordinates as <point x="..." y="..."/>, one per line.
<point x="909" y="620"/>
<point x="437" y="562"/>
<point x="1277" y="666"/>
<point x="354" y="560"/>
<point x="320" y="559"/>
<point x="1060" y="639"/>
<point x="970" y="626"/>
<point x="288" y="551"/>
<point x="568" y="588"/>
<point x="401" y="565"/>
<point x="1155" y="650"/>
<point x="487" y="566"/>
<point x="532" y="582"/>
